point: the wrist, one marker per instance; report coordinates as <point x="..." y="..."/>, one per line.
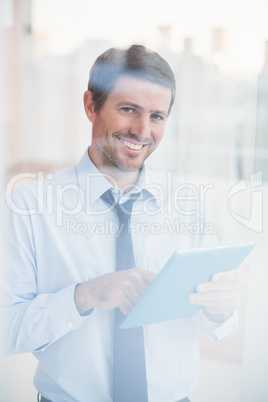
<point x="216" y="318"/>
<point x="82" y="299"/>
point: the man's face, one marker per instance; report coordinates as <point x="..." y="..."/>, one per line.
<point x="130" y="124"/>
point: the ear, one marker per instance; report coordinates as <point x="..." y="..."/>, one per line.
<point x="89" y="106"/>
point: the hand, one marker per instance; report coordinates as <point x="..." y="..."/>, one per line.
<point x="120" y="289"/>
<point x="224" y="293"/>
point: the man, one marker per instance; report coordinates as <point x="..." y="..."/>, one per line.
<point x="62" y="286"/>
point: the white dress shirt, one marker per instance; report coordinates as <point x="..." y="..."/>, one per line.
<point x="60" y="233"/>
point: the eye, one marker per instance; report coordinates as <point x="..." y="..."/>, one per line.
<point x="127" y="109"/>
<point x="157" y="117"/>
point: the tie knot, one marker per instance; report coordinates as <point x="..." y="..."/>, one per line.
<point x="123" y="209"/>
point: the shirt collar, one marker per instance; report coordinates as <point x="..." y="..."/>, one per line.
<point x="94" y="184"/>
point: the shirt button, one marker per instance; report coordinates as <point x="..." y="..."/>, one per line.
<point x="114" y="191"/>
<point x="70" y="325"/>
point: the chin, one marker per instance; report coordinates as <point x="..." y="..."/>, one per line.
<point x="130" y="168"/>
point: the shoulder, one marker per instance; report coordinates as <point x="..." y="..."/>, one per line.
<point x="27" y="190"/>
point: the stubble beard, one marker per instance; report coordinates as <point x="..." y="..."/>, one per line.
<point x="112" y="159"/>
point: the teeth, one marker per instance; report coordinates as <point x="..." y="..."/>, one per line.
<point x="132" y="146"/>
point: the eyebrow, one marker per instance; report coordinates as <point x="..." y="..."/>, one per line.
<point x="136" y="106"/>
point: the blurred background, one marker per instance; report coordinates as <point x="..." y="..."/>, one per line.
<point x="217" y="135"/>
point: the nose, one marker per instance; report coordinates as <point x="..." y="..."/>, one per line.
<point x="141" y="127"/>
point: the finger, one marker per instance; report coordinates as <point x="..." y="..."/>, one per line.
<point x="125" y="306"/>
<point x="147" y="276"/>
<point x="134" y="296"/>
<point x="233" y="275"/>
<point x="200" y="298"/>
<point x="222" y="310"/>
<point x="129" y="301"/>
<point x="211" y="286"/>
<point x="141" y="279"/>
<point x="224" y="301"/>
<point x="227" y="276"/>
<point x="135" y="282"/>
<point x="138" y="281"/>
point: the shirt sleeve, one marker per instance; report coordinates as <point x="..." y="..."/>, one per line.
<point x="31" y="321"/>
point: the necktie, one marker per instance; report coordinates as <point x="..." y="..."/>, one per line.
<point x="130" y="383"/>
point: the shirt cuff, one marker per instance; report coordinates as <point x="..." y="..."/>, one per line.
<point x="216" y="330"/>
<point x="62" y="311"/>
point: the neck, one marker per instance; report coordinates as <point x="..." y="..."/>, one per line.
<point x="125" y="180"/>
<point x="119" y="178"/>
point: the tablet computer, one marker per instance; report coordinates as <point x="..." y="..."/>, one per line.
<point x="167" y="296"/>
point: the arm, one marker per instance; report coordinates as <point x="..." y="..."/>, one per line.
<point x="31" y="319"/>
<point x="34" y="318"/>
<point x="120" y="289"/>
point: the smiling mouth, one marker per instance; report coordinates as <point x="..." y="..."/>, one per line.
<point x="131" y="145"/>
